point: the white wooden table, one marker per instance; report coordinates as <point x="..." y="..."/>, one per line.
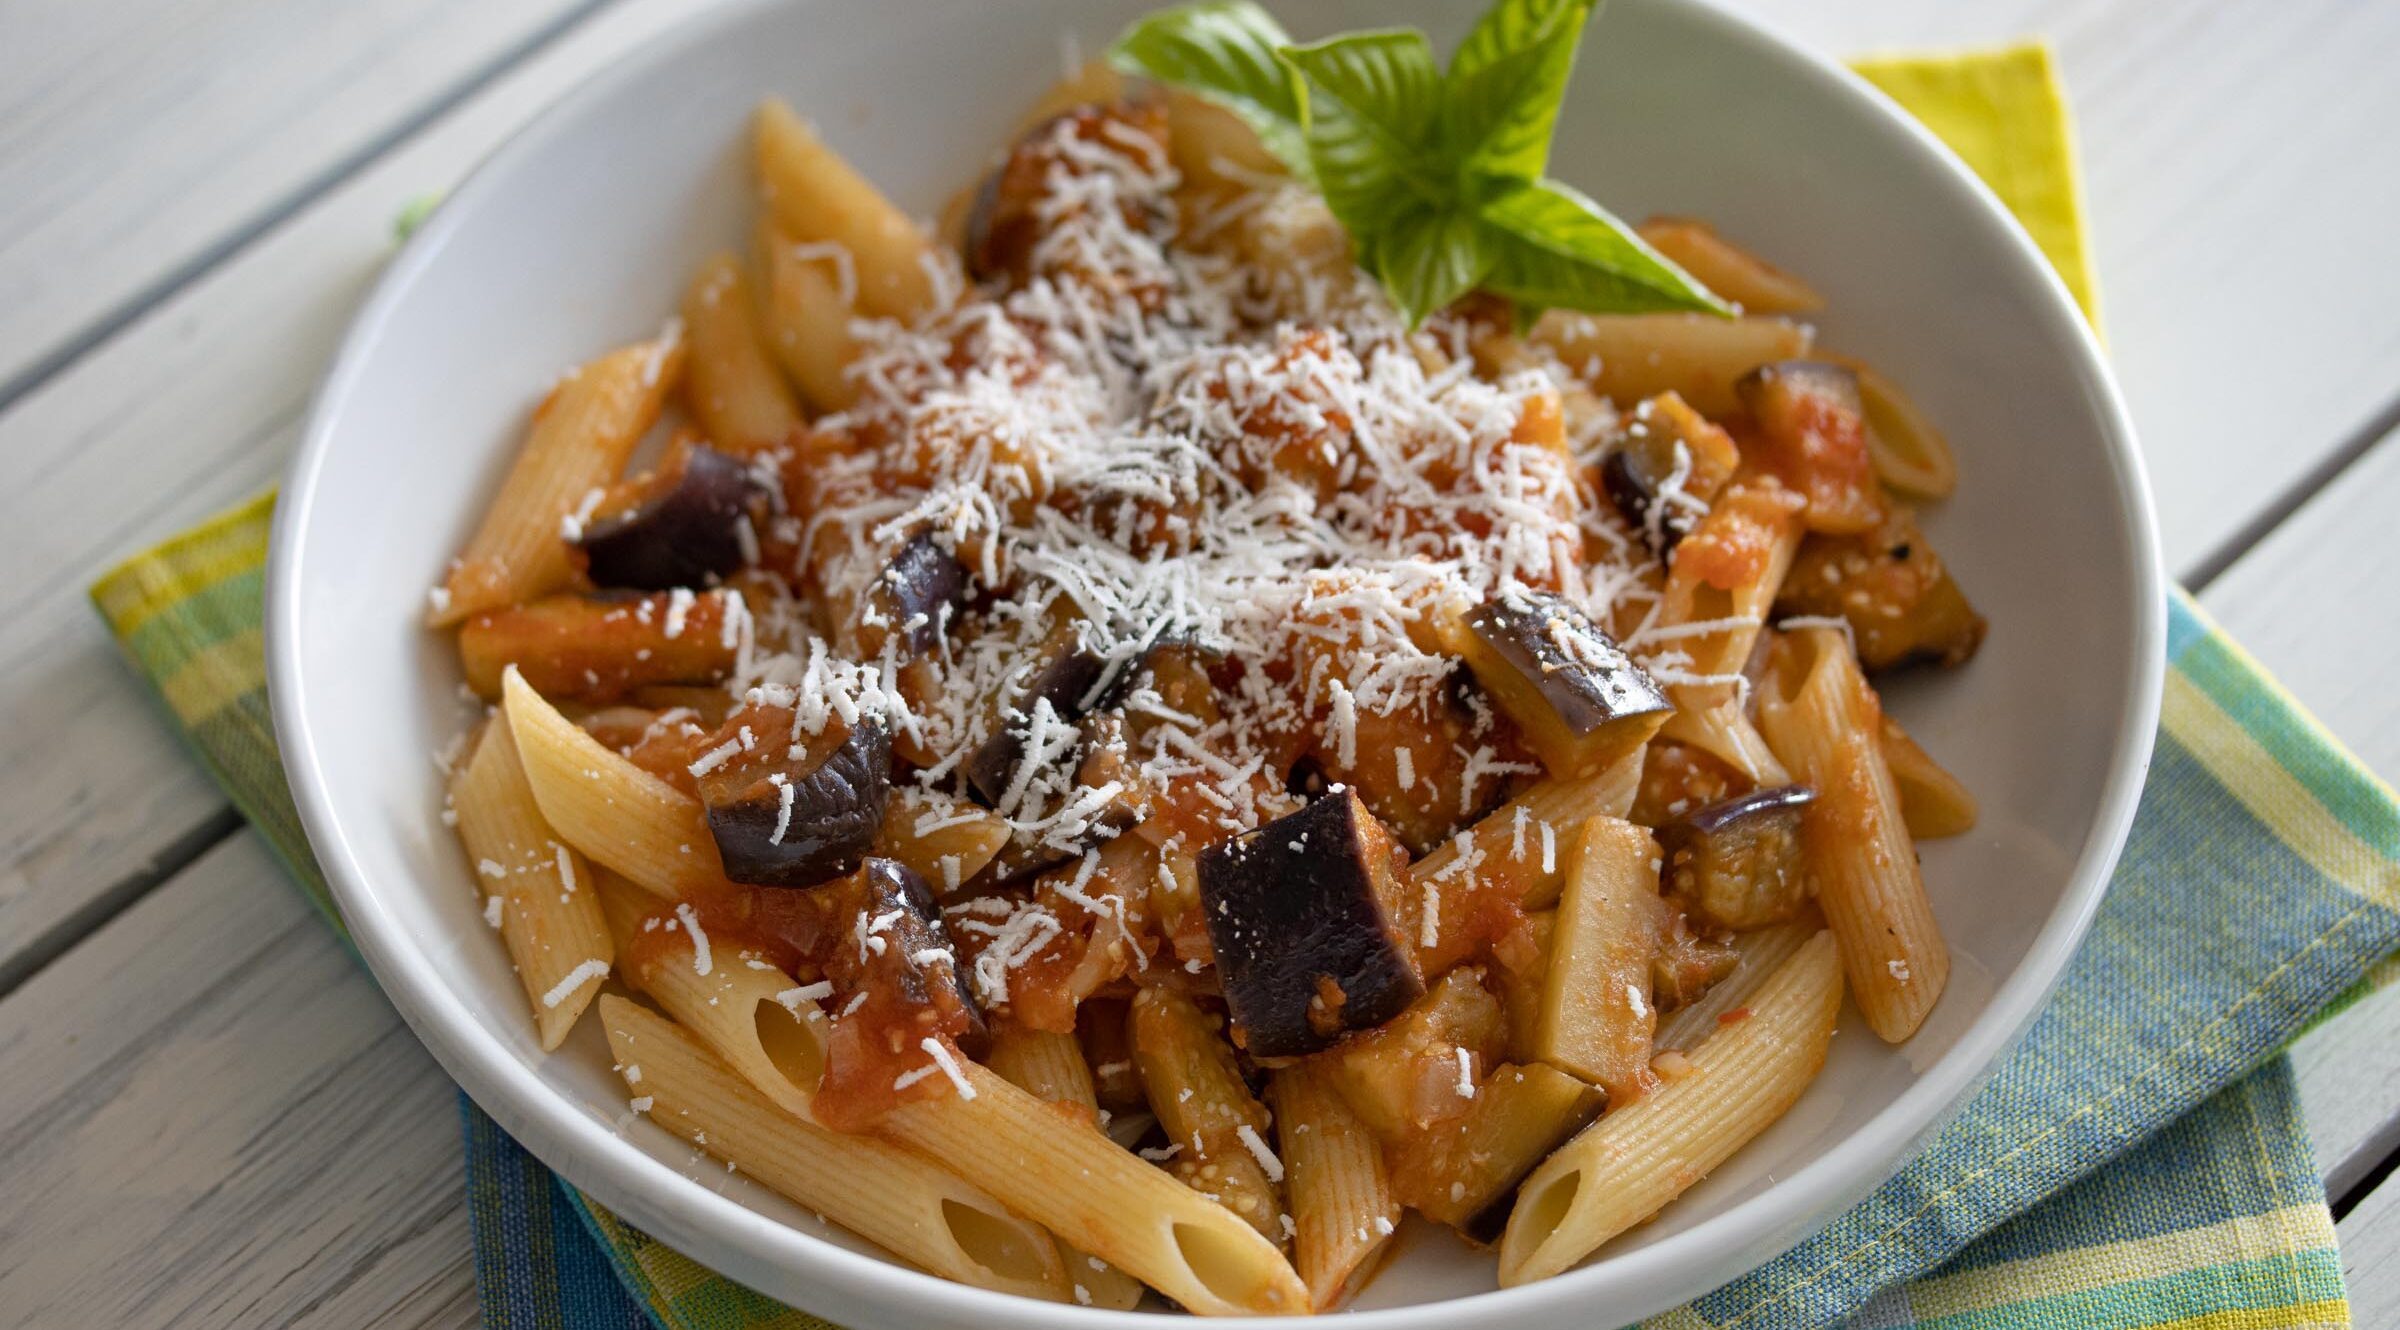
<point x="209" y="1115"/>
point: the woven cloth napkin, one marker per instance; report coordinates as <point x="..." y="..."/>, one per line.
<point x="2138" y="1161"/>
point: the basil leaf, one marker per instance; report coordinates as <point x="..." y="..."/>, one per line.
<point x="1223" y="51"/>
<point x="1427" y="257"/>
<point x="1550" y="246"/>
<point x="1506" y="84"/>
<point x="1371" y="105"/>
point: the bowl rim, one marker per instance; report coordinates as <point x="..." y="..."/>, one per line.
<point x="765" y="1252"/>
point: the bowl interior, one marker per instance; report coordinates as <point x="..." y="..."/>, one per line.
<point x="580" y="235"/>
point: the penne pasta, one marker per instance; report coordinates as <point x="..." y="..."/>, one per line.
<point x="1524" y="841"/>
<point x="1212" y="147"/>
<point x="1217" y="1130"/>
<point x="605" y="806"/>
<point x="947" y="841"/>
<point x="731" y="384"/>
<point x="878" y="1191"/>
<point x="1597" y="1010"/>
<point x="1910" y="455"/>
<point x="1626" y="357"/>
<point x="1933" y="802"/>
<point x="591" y="650"/>
<point x="1050" y="1065"/>
<point x="1720" y="586"/>
<point x="764" y="1023"/>
<point x="815" y="195"/>
<point x="1464" y="1171"/>
<point x="582" y="434"/>
<point x="1823" y="720"/>
<point x="1734" y="273"/>
<point x="1343" y="1211"/>
<point x="1761" y="952"/>
<point x="1626" y="1167"/>
<point x="1096" y="80"/>
<point x="805" y="308"/>
<point x="1100" y="1198"/>
<point x="537" y="891"/>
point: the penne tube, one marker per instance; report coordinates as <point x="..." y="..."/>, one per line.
<point x="1823" y="720"/>
<point x="594" y="650"/>
<point x="1720" y="586"/>
<point x="1761" y="952"/>
<point x="947" y="841"/>
<point x="1464" y="1171"/>
<point x="1933" y="802"/>
<point x="814" y="194"/>
<point x="537" y="890"/>
<point x="1343" y="1211"/>
<point x="605" y="806"/>
<point x="1050" y="1065"/>
<point x="1734" y="273"/>
<point x="731" y="383"/>
<point x="1624" y="1168"/>
<point x="805" y="307"/>
<point x="875" y="1189"/>
<point x="1910" y="455"/>
<point x="1626" y="357"/>
<point x="765" y="1024"/>
<point x="1216" y="1128"/>
<point x="1046" y="1063"/>
<point x="1212" y="147"/>
<point x="582" y="434"/>
<point x="1597" y="1009"/>
<point x="1100" y="1198"/>
<point x="1524" y="842"/>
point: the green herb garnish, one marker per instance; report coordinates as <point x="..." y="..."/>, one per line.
<point x="1437" y="174"/>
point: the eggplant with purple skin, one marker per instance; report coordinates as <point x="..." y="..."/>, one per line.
<point x="1894" y="591"/>
<point x="1065" y="677"/>
<point x="1579" y="700"/>
<point x="1099" y="760"/>
<point x="685" y="534"/>
<point x="915" y="596"/>
<point x="786" y="821"/>
<point x="899" y="950"/>
<point x="1668" y="447"/>
<point x="1304" y="914"/>
<point x="1737" y="864"/>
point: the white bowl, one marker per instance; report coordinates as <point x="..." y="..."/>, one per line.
<point x="579" y="234"/>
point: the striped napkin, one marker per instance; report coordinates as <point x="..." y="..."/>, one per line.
<point x="2138" y="1161"/>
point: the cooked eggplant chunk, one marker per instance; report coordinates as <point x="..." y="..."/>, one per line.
<point x="916" y="595"/>
<point x="1065" y="678"/>
<point x="1737" y="864"/>
<point x="1100" y="761"/>
<point x="1669" y="449"/>
<point x="1812" y="435"/>
<point x="686" y="534"/>
<point x="1304" y="916"/>
<point x="1902" y="606"/>
<point x="781" y="821"/>
<point x="1579" y="699"/>
<point x="900" y="947"/>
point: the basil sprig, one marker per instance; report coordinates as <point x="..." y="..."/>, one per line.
<point x="1438" y="174"/>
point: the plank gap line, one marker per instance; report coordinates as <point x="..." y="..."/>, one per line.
<point x="76" y="345"/>
<point x="88" y="918"/>
<point x="2354" y="449"/>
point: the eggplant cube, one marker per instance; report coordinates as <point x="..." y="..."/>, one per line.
<point x="1579" y="699"/>
<point x="917" y="592"/>
<point x="1737" y="864"/>
<point x="1304" y="914"/>
<point x="904" y="952"/>
<point x="781" y="821"/>
<point x="683" y="536"/>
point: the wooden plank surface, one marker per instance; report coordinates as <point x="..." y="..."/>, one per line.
<point x="2314" y="603"/>
<point x="211" y="1117"/>
<point x="138" y="137"/>
<point x="2242" y="171"/>
<point x="193" y="406"/>
<point x="2370" y="1259"/>
<point x="2240" y="161"/>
